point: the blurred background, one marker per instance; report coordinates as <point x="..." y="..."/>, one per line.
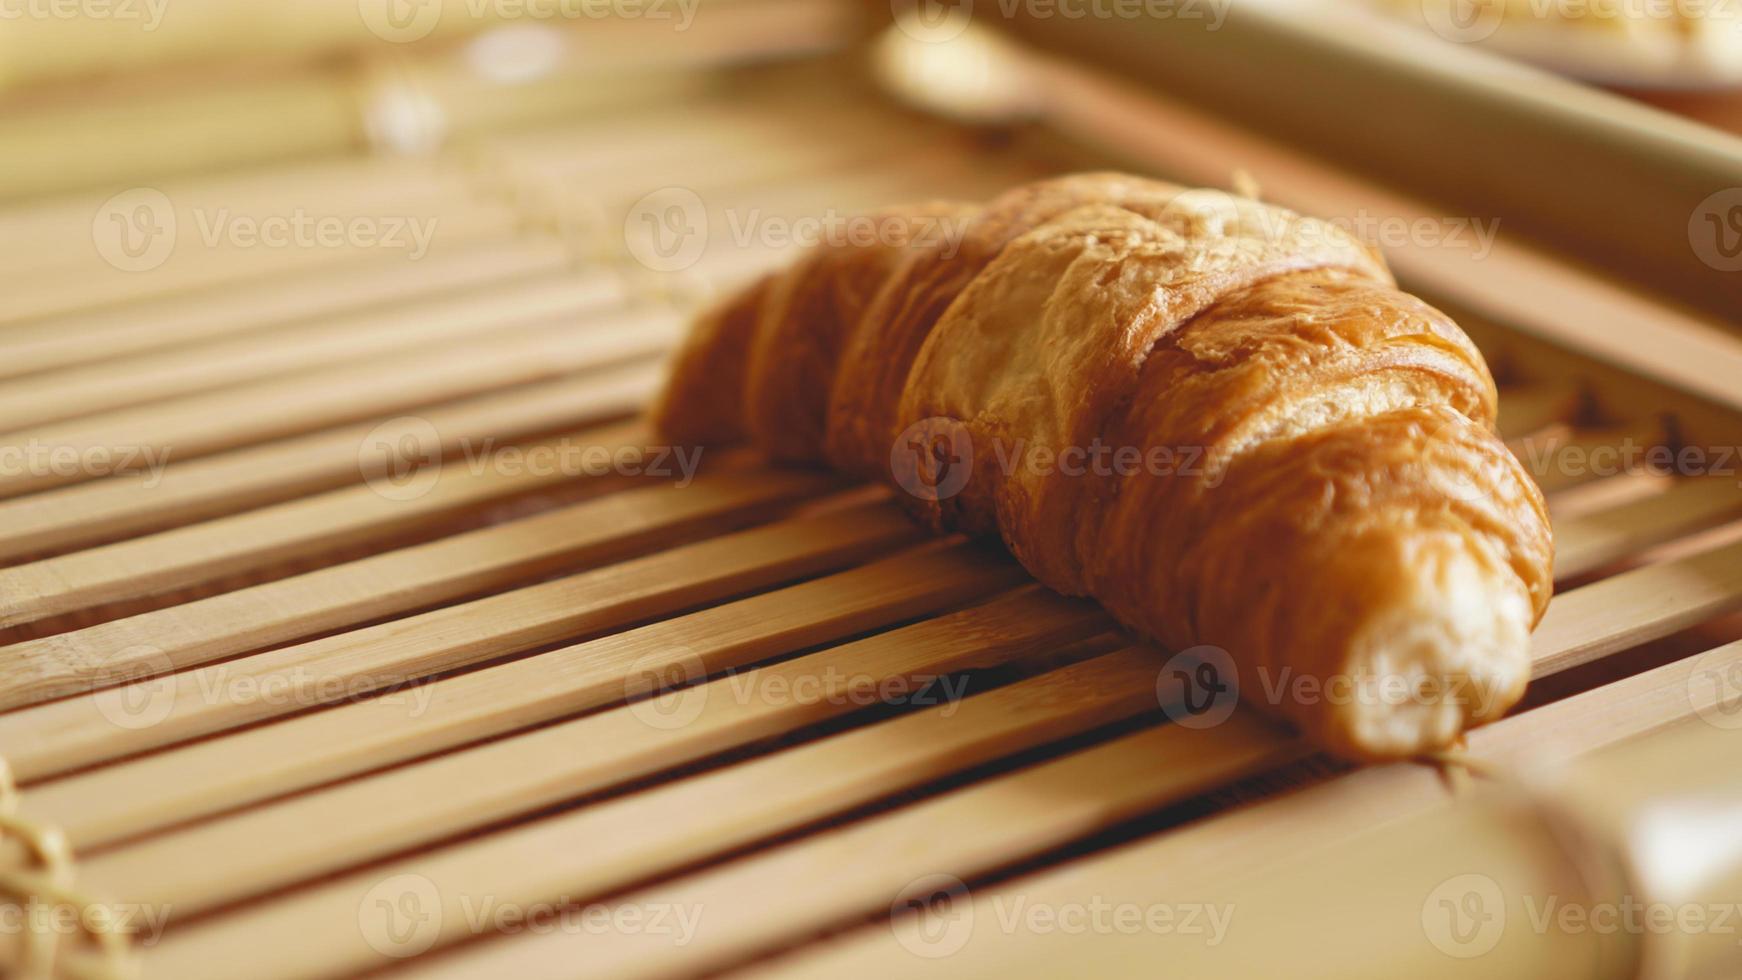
<point x="1532" y="112"/>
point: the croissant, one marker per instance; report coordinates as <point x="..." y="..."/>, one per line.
<point x="1219" y="418"/>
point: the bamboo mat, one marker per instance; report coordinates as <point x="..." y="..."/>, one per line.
<point x="367" y="630"/>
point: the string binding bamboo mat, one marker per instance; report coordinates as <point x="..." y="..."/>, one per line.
<point x="367" y="632"/>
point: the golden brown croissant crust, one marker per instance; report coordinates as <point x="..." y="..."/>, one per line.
<point x="1219" y="418"/>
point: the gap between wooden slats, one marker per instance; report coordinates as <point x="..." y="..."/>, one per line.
<point x="103" y="510"/>
<point x="213" y="863"/>
<point x="206" y="314"/>
<point x="613" y="843"/>
<point x="194" y="633"/>
<point x="383" y="336"/>
<point x="1155" y="869"/>
<point x="61" y="735"/>
<point x="198" y="424"/>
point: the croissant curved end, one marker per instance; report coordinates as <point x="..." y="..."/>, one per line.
<point x="1451" y="652"/>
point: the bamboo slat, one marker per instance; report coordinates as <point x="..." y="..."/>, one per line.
<point x="183" y="428"/>
<point x="198" y="632"/>
<point x="1643" y="604"/>
<point x="98" y="511"/>
<point x="382" y="336"/>
<point x="62" y="735"/>
<point x="1586" y="542"/>
<point x="1609" y="492"/>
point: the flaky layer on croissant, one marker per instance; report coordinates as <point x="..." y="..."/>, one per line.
<point x="1220" y="419"/>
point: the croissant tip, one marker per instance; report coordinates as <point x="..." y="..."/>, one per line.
<point x="1452" y="656"/>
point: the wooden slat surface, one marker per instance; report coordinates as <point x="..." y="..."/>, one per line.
<point x="356" y="820"/>
<point x="129" y="441"/>
<point x="384" y="584"/>
<point x="249" y="476"/>
<point x="384" y="335"/>
<point x="268" y="536"/>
